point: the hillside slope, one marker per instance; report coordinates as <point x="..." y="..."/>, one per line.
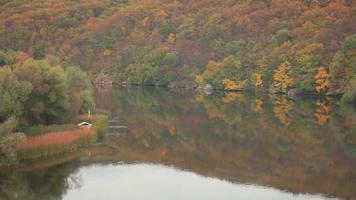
<point x="232" y="44"/>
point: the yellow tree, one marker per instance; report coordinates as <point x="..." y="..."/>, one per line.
<point x="171" y="38"/>
<point x="161" y="14"/>
<point x="282" y="78"/>
<point x="322" y="80"/>
<point x="199" y="79"/>
<point x="258" y="80"/>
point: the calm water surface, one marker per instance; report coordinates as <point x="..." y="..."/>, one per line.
<point x="186" y="145"/>
<point x="145" y="181"/>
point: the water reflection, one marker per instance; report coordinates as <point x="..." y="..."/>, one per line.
<point x="300" y="147"/>
<point x="143" y="181"/>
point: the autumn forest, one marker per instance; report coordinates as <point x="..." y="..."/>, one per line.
<point x="273" y="45"/>
<point x="218" y="88"/>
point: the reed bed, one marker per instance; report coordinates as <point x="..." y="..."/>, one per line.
<point x="55" y="143"/>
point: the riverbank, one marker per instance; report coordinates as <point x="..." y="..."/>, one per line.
<point x="64" y="141"/>
<point x="295" y="94"/>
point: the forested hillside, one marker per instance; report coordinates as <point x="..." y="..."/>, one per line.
<point x="232" y="44"/>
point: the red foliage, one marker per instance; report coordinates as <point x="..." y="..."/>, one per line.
<point x="21" y="57"/>
<point x="55" y="138"/>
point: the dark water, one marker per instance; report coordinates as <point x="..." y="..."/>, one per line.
<point x="185" y="145"/>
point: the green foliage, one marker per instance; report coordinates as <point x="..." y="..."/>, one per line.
<point x="349" y="97"/>
<point x="6" y="59"/>
<point x="49" y="97"/>
<point x="343" y="70"/>
<point x="253" y="46"/>
<point x="154" y="68"/>
<point x="213" y="28"/>
<point x="228" y="68"/>
<point x="13" y="94"/>
<point x="166" y="28"/>
<point x="87" y="103"/>
<point x="80" y="87"/>
<point x="186" y="29"/>
<point x="8" y="140"/>
<point x="349" y="43"/>
<point x="41" y="91"/>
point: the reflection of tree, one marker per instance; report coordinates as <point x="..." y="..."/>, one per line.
<point x="282" y="108"/>
<point x="243" y="142"/>
<point x="233" y="96"/>
<point x="224" y="107"/>
<point x="342" y="124"/>
<point x="238" y="144"/>
<point x="42" y="184"/>
<point x="258" y="105"/>
<point x="322" y="112"/>
<point x="14" y="185"/>
<point x="75" y="181"/>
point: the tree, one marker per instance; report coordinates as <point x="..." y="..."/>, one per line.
<point x="308" y="59"/>
<point x="338" y="74"/>
<point x="228" y="69"/>
<point x="322" y="80"/>
<point x="8" y="140"/>
<point x="48" y="100"/>
<point x="258" y="80"/>
<point x="349" y="44"/>
<point x="343" y="70"/>
<point x="6" y="59"/>
<point x="80" y="91"/>
<point x="282" y="78"/>
<point x="171" y="38"/>
<point x="13" y="94"/>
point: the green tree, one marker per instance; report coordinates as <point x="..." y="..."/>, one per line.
<point x="6" y="59"/>
<point x="49" y="97"/>
<point x="80" y="91"/>
<point x="343" y="70"/>
<point x="13" y="94"/>
<point x="216" y="72"/>
<point x="8" y="140"/>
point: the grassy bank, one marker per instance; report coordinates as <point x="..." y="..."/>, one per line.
<point x="64" y="141"/>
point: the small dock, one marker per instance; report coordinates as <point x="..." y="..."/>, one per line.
<point x="115" y="128"/>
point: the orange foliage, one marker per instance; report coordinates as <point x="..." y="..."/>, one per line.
<point x="107" y="52"/>
<point x="171" y="38"/>
<point x="258" y="105"/>
<point x="230" y="97"/>
<point x="322" y="112"/>
<point x="282" y="109"/>
<point x="91" y="21"/>
<point x="282" y="78"/>
<point x="258" y="80"/>
<point x="232" y="85"/>
<point x="322" y="79"/>
<point x="172" y="129"/>
<point x="161" y="14"/>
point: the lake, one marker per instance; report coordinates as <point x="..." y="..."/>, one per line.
<point x="190" y="145"/>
